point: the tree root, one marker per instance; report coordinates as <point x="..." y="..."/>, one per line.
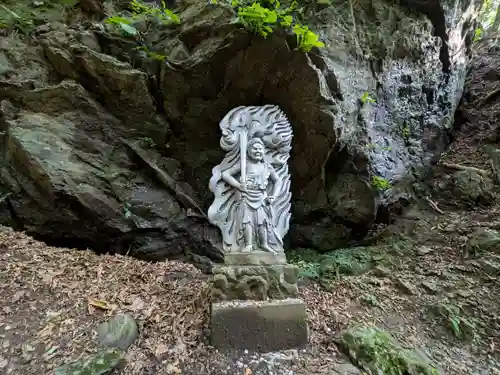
<point x="466" y="168"/>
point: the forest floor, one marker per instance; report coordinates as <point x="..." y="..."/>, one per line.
<point x="424" y="283"/>
<point x="52" y="300"/>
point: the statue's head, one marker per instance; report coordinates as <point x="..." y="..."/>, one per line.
<point x="256" y="149"/>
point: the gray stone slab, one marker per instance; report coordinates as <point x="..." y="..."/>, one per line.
<point x="261" y="326"/>
<point x="255" y="258"/>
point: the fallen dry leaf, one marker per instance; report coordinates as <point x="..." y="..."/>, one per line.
<point x="103" y="305"/>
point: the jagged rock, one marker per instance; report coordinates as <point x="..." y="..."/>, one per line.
<point x="417" y="86"/>
<point x="377" y="352"/>
<point x="72" y="177"/>
<point x="118" y="332"/>
<point x="483" y="239"/>
<point x="75" y="178"/>
<point x="471" y="187"/>
<point x="322" y="236"/>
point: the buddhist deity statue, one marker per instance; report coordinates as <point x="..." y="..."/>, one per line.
<point x="252" y="184"/>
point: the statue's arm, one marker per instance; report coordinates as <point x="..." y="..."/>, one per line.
<point x="274" y="178"/>
<point x="228" y="176"/>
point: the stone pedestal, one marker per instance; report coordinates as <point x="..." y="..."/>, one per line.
<point x="261" y="326"/>
<point x="255" y="304"/>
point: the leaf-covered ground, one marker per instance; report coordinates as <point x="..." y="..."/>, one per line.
<point x="422" y="289"/>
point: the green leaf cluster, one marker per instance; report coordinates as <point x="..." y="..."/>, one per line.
<point x="461" y="326"/>
<point x="141" y="11"/>
<point x="366" y="98"/>
<point x="264" y="17"/>
<point x="380" y="183"/>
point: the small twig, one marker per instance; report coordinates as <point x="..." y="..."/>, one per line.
<point x="465" y="168"/>
<point x="434" y="205"/>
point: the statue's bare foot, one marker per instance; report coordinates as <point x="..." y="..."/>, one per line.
<point x="247" y="249"/>
<point x="268" y="249"/>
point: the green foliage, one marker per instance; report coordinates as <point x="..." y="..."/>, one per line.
<point x="453" y="317"/>
<point x="366" y="98"/>
<point x="100" y="363"/>
<point x="24" y="16"/>
<point x="377" y="352"/>
<point x="477" y="35"/>
<point x="163" y="14"/>
<point x="148" y="142"/>
<point x="380" y="183"/>
<point x="308" y="262"/>
<point x="335" y="264"/>
<point x="125" y="24"/>
<point x="406" y="132"/>
<point x="141" y="11"/>
<point x="306" y="39"/>
<point x="353" y="261"/>
<point x="263" y="17"/>
<point x="151" y="54"/>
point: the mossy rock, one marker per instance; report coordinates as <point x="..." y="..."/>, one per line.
<point x="118" y="332"/>
<point x="100" y="363"/>
<point x="377" y="352"/>
<point x="347" y="262"/>
<point x="26" y="15"/>
<point x="483" y="240"/>
<point x="472" y="187"/>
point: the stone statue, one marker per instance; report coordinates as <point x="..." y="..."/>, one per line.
<point x="252" y="184"/>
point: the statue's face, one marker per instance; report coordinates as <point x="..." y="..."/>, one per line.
<point x="256" y="151"/>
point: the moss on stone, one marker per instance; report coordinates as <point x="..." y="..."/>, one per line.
<point x="119" y="332"/>
<point x="98" y="364"/>
<point x="483" y="240"/>
<point x="26" y="15"/>
<point x="377" y="352"/>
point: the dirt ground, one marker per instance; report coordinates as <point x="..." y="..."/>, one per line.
<point x="52" y="299"/>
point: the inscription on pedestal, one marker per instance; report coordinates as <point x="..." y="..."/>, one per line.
<point x="259" y="326"/>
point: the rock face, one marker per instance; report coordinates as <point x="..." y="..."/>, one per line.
<point x="106" y="147"/>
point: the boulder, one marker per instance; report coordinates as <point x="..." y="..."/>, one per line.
<point x="377" y="352"/>
<point x="108" y="147"/>
<point x="120" y="331"/>
<point x="72" y="176"/>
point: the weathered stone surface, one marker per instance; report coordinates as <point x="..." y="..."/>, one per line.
<point x="324" y="235"/>
<point x="71" y="177"/>
<point x="118" y="332"/>
<point x="84" y="186"/>
<point x="255" y="282"/>
<point x="468" y="187"/>
<point x="103" y="362"/>
<point x="256" y="258"/>
<point x="483" y="239"/>
<point x="259" y="326"/>
<point x="377" y="352"/>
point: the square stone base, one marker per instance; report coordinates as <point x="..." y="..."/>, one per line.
<point x="261" y="326"/>
<point x="256" y="258"/>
